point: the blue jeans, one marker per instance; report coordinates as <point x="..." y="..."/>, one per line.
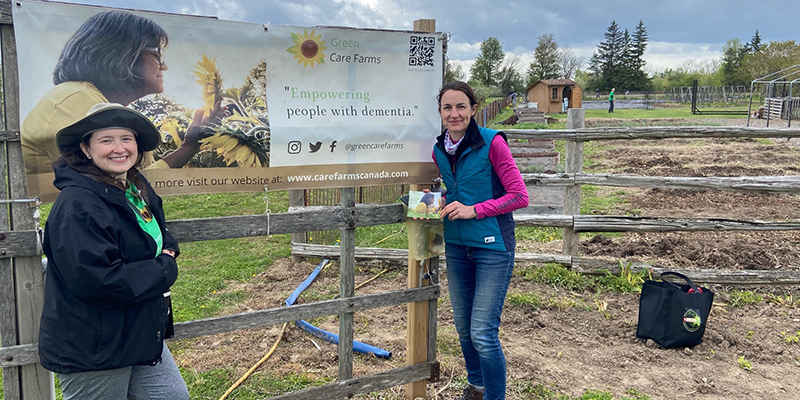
<point x="478" y="280"/>
<point x="162" y="381"/>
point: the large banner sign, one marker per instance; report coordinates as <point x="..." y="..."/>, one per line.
<point x="241" y="106"/>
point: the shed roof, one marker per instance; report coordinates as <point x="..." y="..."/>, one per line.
<point x="554" y="82"/>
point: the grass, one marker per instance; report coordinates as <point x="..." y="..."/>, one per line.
<point x="212" y="384"/>
<point x="593" y="203"/>
<point x="561" y="277"/>
<point x="626" y="282"/>
<point x="539" y="391"/>
<point x="208" y="267"/>
<point x="670" y="112"/>
<point x="555" y="275"/>
<point x="741" y="298"/>
<point x="525" y="299"/>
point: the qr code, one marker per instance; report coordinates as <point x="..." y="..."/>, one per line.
<point x="421" y="50"/>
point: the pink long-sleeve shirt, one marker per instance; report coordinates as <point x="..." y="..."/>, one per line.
<point x="516" y="196"/>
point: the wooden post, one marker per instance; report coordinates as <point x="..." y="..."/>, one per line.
<point x="347" y="237"/>
<point x="572" y="194"/>
<point x="433" y="308"/>
<point x="297" y="198"/>
<point x="417" y="335"/>
<point x="28" y="281"/>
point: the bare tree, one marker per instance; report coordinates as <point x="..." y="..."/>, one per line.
<point x="570" y="62"/>
<point x="509" y="77"/>
<point x="454" y="72"/>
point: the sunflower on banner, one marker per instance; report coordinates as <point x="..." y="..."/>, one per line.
<point x="308" y="48"/>
<point x="242" y="135"/>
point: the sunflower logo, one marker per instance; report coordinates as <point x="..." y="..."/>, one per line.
<point x="308" y="48"/>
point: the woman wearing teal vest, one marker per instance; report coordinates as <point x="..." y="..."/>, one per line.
<point x="111" y="263"/>
<point x="483" y="186"/>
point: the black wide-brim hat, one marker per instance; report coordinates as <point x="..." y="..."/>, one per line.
<point x="110" y="115"/>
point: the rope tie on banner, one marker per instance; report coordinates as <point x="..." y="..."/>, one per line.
<point x="266" y="208"/>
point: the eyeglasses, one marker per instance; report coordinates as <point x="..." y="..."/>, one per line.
<point x="158" y="52"/>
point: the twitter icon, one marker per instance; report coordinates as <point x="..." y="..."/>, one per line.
<point x="314" y="147"/>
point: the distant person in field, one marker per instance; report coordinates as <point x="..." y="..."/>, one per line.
<point x="611" y="101"/>
<point x="597" y="94"/>
<point x="484" y="187"/>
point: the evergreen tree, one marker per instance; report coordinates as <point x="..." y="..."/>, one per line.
<point x="546" y="60"/>
<point x="625" y="68"/>
<point x="733" y="53"/>
<point x="637" y="49"/>
<point x="607" y="61"/>
<point x="488" y="62"/>
<point x="618" y="61"/>
<point x="755" y="43"/>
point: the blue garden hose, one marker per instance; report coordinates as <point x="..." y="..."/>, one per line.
<point x="323" y="334"/>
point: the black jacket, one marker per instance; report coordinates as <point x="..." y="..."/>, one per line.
<point x="103" y="303"/>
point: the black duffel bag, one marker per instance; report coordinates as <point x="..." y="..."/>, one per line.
<point x="673" y="314"/>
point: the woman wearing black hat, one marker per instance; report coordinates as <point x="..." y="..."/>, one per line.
<point x="111" y="263"/>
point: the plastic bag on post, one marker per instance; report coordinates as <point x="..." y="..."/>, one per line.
<point x="425" y="238"/>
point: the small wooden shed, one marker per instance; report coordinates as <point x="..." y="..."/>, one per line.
<point x="550" y="94"/>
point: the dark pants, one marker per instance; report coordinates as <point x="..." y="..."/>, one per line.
<point x="611" y="106"/>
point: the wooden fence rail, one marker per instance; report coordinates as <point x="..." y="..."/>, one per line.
<point x="761" y="184"/>
<point x="652" y="132"/>
<point x="23" y="243"/>
<point x="585" y="265"/>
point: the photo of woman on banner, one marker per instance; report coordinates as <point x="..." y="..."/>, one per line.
<point x="484" y="187"/>
<point x="114" y="57"/>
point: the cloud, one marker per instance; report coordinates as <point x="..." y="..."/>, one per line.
<point x="223" y="9"/>
<point x="663" y="55"/>
<point x="460" y="50"/>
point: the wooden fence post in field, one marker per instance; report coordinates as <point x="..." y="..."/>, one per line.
<point x="297" y="198"/>
<point x="572" y="194"/>
<point x="347" y="285"/>
<point x="22" y="276"/>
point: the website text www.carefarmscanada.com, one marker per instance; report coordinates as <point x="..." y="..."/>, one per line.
<point x="346" y="177"/>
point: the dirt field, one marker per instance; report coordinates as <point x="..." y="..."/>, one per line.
<point x="577" y="341"/>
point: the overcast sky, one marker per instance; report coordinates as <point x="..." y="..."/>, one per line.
<point x="680" y="31"/>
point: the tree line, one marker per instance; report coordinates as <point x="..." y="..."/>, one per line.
<point x="618" y="62"/>
<point x="497" y="73"/>
<point x="740" y="64"/>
